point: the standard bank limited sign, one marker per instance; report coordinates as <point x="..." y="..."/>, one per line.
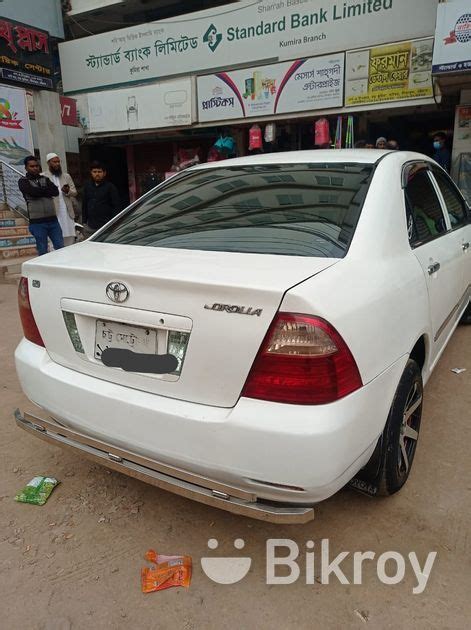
<point x="240" y="33"/>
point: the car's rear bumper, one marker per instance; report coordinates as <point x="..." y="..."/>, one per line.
<point x="175" y="480"/>
<point x="290" y="454"/>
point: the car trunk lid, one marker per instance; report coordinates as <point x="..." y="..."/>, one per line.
<point x="216" y="307"/>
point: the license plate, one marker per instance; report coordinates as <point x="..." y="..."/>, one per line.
<point x="124" y="336"/>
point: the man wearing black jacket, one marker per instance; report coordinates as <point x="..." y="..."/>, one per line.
<point x="100" y="201"/>
<point x="38" y="192"/>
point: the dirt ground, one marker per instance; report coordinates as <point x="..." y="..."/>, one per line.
<point x="75" y="562"/>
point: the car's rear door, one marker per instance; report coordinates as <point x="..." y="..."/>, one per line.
<point x="460" y="221"/>
<point x="433" y="243"/>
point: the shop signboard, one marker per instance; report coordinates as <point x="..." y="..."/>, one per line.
<point x="25" y="54"/>
<point x="15" y="131"/>
<point x="396" y="72"/>
<point x="452" y="51"/>
<point x="166" y="104"/>
<point x="69" y="111"/>
<point x="241" y="33"/>
<point x="282" y="88"/>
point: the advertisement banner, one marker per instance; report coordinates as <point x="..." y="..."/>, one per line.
<point x="25" y="54"/>
<point x="244" y="32"/>
<point x="165" y="104"/>
<point x="452" y="51"/>
<point x="15" y="131"/>
<point x="389" y="73"/>
<point x="293" y="86"/>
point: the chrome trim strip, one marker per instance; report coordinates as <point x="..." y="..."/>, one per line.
<point x="183" y="483"/>
<point x="457" y="307"/>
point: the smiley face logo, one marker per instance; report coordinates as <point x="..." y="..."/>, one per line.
<point x="226" y="570"/>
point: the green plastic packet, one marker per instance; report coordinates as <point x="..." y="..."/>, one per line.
<point x="37" y="491"/>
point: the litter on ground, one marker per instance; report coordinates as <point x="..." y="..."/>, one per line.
<point x="169" y="571"/>
<point x="37" y="491"/>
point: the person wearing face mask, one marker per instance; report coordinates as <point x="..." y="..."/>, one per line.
<point x="442" y="154"/>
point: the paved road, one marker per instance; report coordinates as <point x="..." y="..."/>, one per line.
<point x="75" y="562"/>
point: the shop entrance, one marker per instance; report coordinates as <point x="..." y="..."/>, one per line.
<point x="414" y="131"/>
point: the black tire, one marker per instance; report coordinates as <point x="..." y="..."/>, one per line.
<point x="466" y="319"/>
<point x="402" y="431"/>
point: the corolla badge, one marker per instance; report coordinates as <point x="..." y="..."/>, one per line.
<point x="117" y="292"/>
<point x="226" y="570"/>
<point x="234" y="308"/>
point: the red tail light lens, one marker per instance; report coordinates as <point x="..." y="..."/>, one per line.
<point x="30" y="329"/>
<point x="303" y="360"/>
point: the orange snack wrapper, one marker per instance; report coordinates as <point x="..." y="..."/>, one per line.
<point x="169" y="571"/>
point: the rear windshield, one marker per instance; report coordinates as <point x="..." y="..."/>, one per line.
<point x="284" y="209"/>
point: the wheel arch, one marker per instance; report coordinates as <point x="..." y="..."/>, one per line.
<point x="420" y="352"/>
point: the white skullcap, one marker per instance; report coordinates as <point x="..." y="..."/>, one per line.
<point x="49" y="156"/>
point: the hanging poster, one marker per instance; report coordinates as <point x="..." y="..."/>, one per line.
<point x="389" y="73"/>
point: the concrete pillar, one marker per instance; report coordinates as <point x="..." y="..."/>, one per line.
<point x="47" y="111"/>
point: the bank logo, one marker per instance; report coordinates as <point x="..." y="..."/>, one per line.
<point x="229" y="569"/>
<point x="212" y="38"/>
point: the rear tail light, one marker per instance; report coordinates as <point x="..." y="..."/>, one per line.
<point x="303" y="360"/>
<point x="30" y="329"/>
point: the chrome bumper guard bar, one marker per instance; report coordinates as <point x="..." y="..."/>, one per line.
<point x="166" y="477"/>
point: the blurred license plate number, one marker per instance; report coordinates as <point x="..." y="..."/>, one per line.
<point x="124" y="336"/>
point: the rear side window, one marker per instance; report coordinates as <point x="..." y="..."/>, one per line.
<point x="425" y="220"/>
<point x="455" y="205"/>
<point x="286" y="209"/>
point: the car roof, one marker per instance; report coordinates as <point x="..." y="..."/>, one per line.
<point x="362" y="156"/>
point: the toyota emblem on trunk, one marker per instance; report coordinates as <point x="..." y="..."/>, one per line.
<point x="117" y="292"/>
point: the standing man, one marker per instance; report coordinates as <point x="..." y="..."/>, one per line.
<point x="39" y="192"/>
<point x="441" y="155"/>
<point x="100" y="201"/>
<point x="65" y="210"/>
<point x="150" y="180"/>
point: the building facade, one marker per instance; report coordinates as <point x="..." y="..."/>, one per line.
<point x="30" y="79"/>
<point x="245" y="77"/>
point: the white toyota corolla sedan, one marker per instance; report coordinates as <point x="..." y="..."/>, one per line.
<point x="255" y="333"/>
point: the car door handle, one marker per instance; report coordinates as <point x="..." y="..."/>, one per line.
<point x="465" y="246"/>
<point x="433" y="268"/>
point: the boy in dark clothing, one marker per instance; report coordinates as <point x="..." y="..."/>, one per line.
<point x="38" y="192"/>
<point x="101" y="200"/>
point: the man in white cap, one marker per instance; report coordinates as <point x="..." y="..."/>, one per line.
<point x="64" y="203"/>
